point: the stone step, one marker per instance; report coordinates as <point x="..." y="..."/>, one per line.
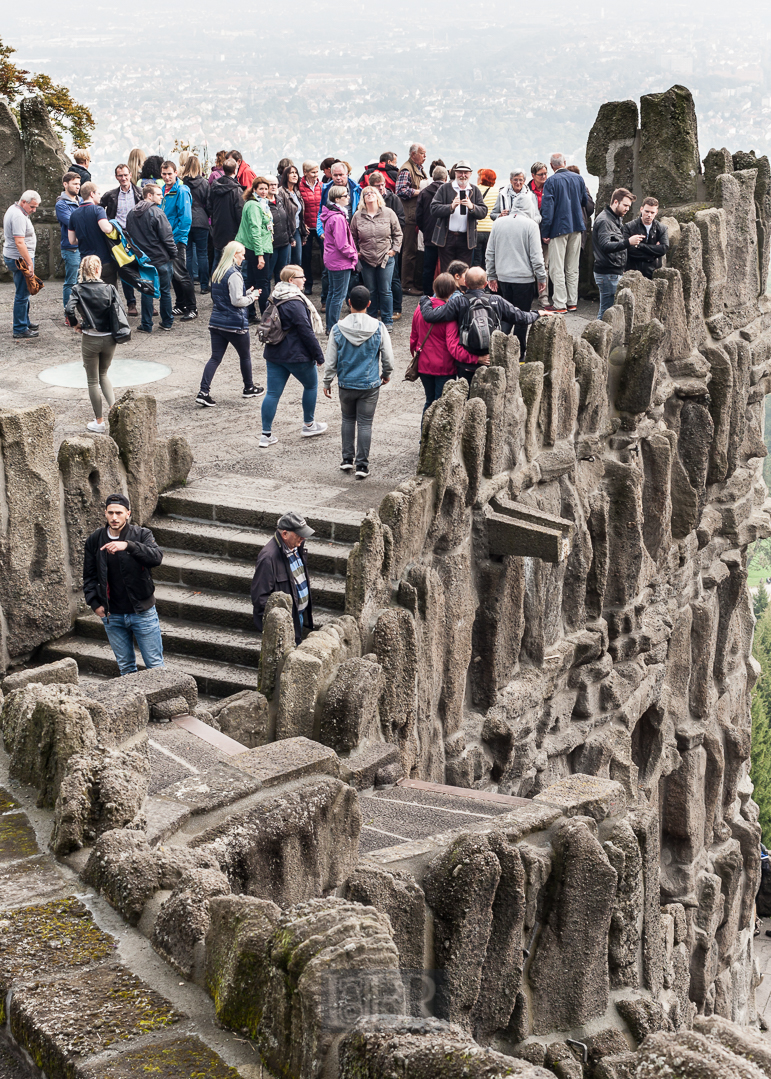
<point x="213" y="678"/>
<point x="191" y="638"/>
<point x="341" y="525"/>
<point x="231" y="575"/>
<point x="217" y="608"/>
<point x="231" y="541"/>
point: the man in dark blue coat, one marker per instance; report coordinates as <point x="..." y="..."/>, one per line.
<point x="562" y="222"/>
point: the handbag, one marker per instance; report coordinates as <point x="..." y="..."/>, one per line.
<point x="411" y="374"/>
<point x="34" y="284"/>
<point x="119" y="324"/>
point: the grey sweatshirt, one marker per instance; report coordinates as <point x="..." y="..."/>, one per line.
<point x="514" y="251"/>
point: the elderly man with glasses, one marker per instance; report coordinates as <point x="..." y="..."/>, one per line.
<point x="457" y="206"/>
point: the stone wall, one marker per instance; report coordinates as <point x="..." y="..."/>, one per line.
<point x="32" y="156"/>
<point x="562" y="587"/>
<point x="49" y="504"/>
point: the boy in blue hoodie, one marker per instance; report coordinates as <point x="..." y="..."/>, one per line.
<point x="178" y="206"/>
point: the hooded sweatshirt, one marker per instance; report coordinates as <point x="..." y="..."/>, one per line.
<point x="359" y="352"/>
<point x="339" y="249"/>
<point x="226" y="205"/>
<point x="148" y="227"/>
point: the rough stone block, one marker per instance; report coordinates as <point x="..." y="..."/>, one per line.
<point x="639" y="375"/>
<point x="669" y="148"/>
<point x="178" y="1059"/>
<point x="575" y="934"/>
<point x="183" y="921"/>
<point x="90" y="470"/>
<point x="425" y="1049"/>
<point x="162" y="684"/>
<point x="278" y="640"/>
<point x="370" y="765"/>
<point x="397" y="894"/>
<point x="240" y="929"/>
<point x="244" y="718"/>
<point x="692" y="1054"/>
<point x="290" y="845"/>
<point x="350" y="710"/>
<point x="219" y="786"/>
<point x="287" y="759"/>
<point x="165" y="711"/>
<point x="584" y="795"/>
<point x="133" y="427"/>
<point x="327" y="961"/>
<point x="34" y="596"/>
<point x="61" y="672"/>
<point x="124" y="709"/>
<point x="101" y="790"/>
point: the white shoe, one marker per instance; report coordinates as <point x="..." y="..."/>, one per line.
<point x="267" y="440"/>
<point x="97" y="428"/>
<point x="315" y="428"/>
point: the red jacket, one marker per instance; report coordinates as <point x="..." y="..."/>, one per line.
<point x="246" y="175"/>
<point x="311" y="197"/>
<point x="441" y="349"/>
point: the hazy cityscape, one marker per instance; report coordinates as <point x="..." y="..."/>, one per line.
<point x="500" y="86"/>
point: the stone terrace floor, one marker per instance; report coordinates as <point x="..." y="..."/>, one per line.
<point x="225" y="439"/>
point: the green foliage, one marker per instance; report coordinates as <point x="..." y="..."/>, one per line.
<point x="761" y="599"/>
<point x="760" y="758"/>
<point x="71" y="120"/>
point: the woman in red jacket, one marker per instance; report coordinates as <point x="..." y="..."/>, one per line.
<point x="309" y="190"/>
<point x="440" y="351"/>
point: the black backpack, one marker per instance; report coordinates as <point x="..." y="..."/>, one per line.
<point x="477" y="325"/>
<point x="270" y="331"/>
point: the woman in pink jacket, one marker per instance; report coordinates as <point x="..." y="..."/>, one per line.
<point x="440" y="351"/>
<point x="340" y="254"/>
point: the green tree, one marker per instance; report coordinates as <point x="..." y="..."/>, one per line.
<point x="760" y="753"/>
<point x="72" y="120"/>
<point x="761" y="599"/>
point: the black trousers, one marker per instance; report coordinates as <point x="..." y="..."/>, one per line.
<point x="184" y="293"/>
<point x="521" y="295"/>
<point x="455" y="248"/>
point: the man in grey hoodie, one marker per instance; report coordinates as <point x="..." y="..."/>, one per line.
<point x="359" y="352"/>
<point x="514" y="263"/>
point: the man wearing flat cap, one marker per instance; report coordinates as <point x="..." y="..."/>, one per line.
<point x="456" y="207"/>
<point x="282" y="567"/>
<point x="118" y="585"/>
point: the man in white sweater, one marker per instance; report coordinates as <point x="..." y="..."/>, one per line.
<point x="515" y="266"/>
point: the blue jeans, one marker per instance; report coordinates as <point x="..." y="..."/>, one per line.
<point x="296" y="252"/>
<point x="164" y="280"/>
<point x="71" y="260"/>
<point x="123" y="629"/>
<point x="606" y="283"/>
<point x="199" y="255"/>
<point x="378" y="280"/>
<point x="280" y="259"/>
<point x="278" y="376"/>
<point x="396" y="283"/>
<point x="21" y="299"/>
<point x="338" y="290"/>
<point x="433" y="385"/>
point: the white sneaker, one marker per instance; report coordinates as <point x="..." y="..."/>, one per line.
<point x="267" y="440"/>
<point x="97" y="428"/>
<point x="315" y="428"/>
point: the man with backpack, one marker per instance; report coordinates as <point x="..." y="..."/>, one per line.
<point x="359" y="352"/>
<point x="478" y="314"/>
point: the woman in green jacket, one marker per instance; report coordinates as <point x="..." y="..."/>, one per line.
<point x="256" y="234"/>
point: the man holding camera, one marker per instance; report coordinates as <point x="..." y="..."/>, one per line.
<point x="457" y="206"/>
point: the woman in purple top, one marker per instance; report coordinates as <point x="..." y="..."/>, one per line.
<point x="340" y="254"/>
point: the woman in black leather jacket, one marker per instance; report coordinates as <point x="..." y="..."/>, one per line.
<point x="101" y="316"/>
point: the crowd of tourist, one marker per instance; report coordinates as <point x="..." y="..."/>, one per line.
<point x="489" y="257"/>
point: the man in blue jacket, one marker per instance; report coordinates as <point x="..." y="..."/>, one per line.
<point x="68" y="201"/>
<point x="359" y="352"/>
<point x="562" y="222"/>
<point x="178" y="206"/>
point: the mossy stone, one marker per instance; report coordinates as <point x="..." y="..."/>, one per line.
<point x="184" y="1058"/>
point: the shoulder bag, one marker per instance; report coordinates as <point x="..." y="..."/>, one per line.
<point x="411" y="374"/>
<point x="34" y="284"/>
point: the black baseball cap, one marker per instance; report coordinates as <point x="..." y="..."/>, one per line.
<point x="295" y="522"/>
<point x="119" y="500"/>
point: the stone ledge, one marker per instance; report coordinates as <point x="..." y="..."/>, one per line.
<point x="585" y="796"/>
<point x="289" y="758"/>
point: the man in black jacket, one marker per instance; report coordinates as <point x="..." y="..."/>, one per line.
<point x="282" y="567"/>
<point x="654" y="246"/>
<point x="457" y="206"/>
<point x="226" y="204"/>
<point x="426" y="223"/>
<point x="148" y="229"/>
<point x="119" y="588"/>
<point x="118" y="203"/>
<point x="611" y="244"/>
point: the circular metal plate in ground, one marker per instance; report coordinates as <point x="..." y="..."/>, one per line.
<point x="121" y="373"/>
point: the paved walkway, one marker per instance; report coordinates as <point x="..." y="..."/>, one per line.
<point x="225" y="439"/>
<point x="763" y="956"/>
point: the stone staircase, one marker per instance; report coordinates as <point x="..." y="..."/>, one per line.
<point x="210" y="542"/>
